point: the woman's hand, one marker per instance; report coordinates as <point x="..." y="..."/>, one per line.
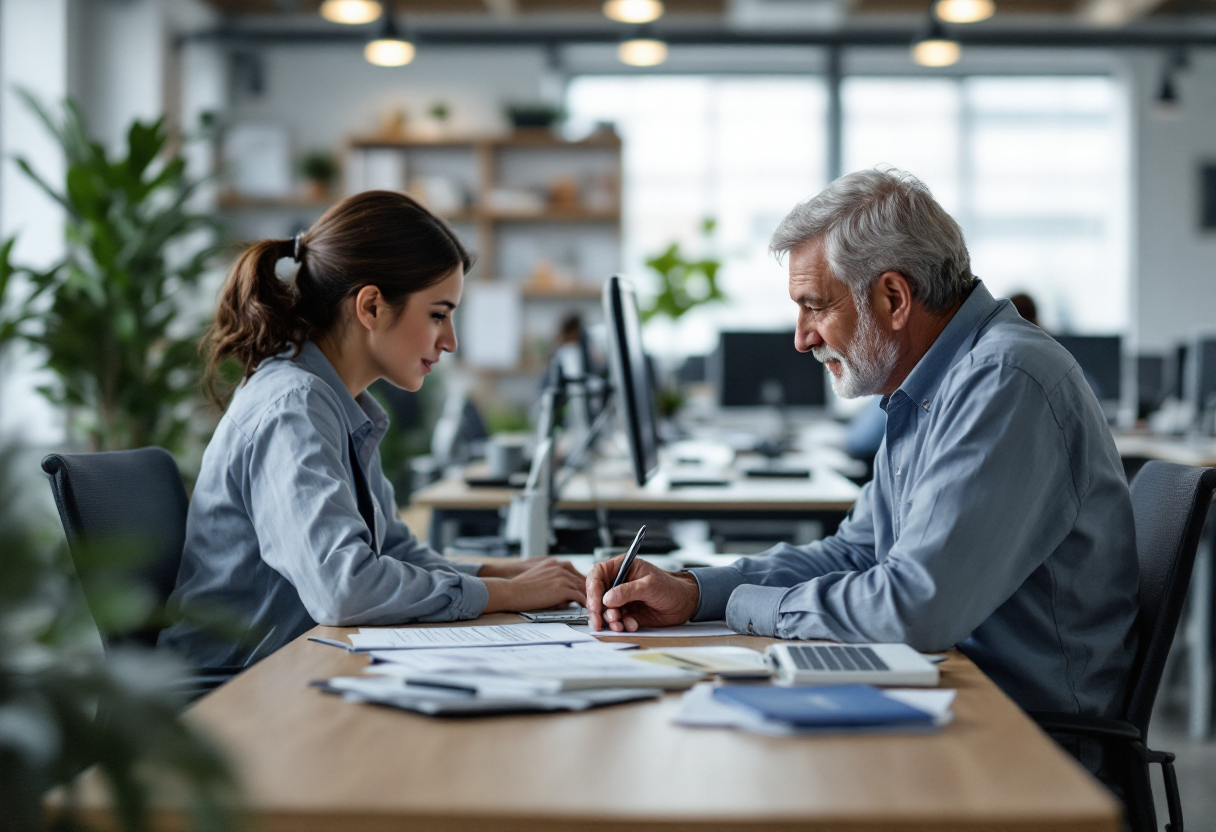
<point x="514" y="568"/>
<point x="540" y="585"/>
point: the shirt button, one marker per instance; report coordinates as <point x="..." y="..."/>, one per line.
<point x="897" y="472"/>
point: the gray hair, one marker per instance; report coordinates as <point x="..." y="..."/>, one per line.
<point x="881" y="220"/>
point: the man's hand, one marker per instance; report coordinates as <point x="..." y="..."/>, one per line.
<point x="649" y="597"/>
<point x="515" y="568"/>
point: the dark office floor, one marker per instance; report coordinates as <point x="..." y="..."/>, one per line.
<point x="1196" y="768"/>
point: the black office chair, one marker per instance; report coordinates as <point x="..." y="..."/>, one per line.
<point x="130" y="496"/>
<point x="1170" y="504"/>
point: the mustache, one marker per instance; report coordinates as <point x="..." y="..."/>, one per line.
<point x="825" y="353"/>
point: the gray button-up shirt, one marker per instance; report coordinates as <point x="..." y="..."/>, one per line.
<point x="275" y="537"/>
<point x="998" y="520"/>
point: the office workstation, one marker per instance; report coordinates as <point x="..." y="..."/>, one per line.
<point x="535" y="415"/>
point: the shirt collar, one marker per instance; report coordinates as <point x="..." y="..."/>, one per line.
<point x="363" y="413"/>
<point x="952" y="343"/>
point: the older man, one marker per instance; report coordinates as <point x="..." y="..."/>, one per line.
<point x="998" y="519"/>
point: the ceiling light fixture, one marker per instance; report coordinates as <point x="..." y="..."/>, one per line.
<point x="1167" y="103"/>
<point x="351" y="12"/>
<point x="642" y="52"/>
<point x="389" y="48"/>
<point x="964" y="11"/>
<point x="633" y="11"/>
<point x="934" y="47"/>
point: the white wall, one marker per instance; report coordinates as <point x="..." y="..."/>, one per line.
<point x="1174" y="263"/>
<point x="110" y="57"/>
<point x="324" y="94"/>
<point x="33" y="56"/>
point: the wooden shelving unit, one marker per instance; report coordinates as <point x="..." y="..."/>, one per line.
<point x="540" y="212"/>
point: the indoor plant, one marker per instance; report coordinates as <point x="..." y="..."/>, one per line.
<point x="66" y="707"/>
<point x="683" y="283"/>
<point x="107" y="319"/>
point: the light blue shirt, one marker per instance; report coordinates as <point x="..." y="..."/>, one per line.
<point x="275" y="536"/>
<point x="998" y="520"/>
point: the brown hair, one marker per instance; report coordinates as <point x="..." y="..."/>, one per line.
<point x="377" y="238"/>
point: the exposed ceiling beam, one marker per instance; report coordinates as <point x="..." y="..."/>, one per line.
<point x="1113" y="14"/>
<point x="522" y="35"/>
<point x="504" y="9"/>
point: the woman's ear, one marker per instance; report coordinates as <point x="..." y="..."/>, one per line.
<point x="369" y="307"/>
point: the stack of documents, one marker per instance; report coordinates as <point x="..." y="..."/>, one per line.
<point x="786" y="711"/>
<point x="501" y="669"/>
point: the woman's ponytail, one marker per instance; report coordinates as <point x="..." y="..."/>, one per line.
<point x="255" y="316"/>
<point x="376" y="238"/>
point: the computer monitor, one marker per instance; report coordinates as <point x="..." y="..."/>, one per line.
<point x="756" y="369"/>
<point x="1205" y="374"/>
<point x="1152" y="384"/>
<point x="1101" y="359"/>
<point x="630" y="378"/>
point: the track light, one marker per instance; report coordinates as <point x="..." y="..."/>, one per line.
<point x="389" y="48"/>
<point x="964" y="11"/>
<point x="351" y="12"/>
<point x="934" y="47"/>
<point x="1167" y="103"/>
<point x="642" y="52"/>
<point x="633" y="11"/>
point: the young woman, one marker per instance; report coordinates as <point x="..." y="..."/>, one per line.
<point x="292" y="522"/>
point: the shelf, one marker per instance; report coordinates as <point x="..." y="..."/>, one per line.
<point x="566" y="291"/>
<point x="551" y="215"/>
<point x="520" y="138"/>
<point x="233" y="202"/>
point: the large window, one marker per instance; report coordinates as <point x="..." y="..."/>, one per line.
<point x="1033" y="168"/>
<point x="741" y="151"/>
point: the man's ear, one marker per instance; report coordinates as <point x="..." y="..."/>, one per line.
<point x="369" y="306"/>
<point x="893" y="299"/>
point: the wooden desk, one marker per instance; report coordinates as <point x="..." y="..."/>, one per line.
<point x="312" y="762"/>
<point x="1199" y="452"/>
<point x="826" y="497"/>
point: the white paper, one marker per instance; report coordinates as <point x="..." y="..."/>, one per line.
<point x="700" y="709"/>
<point x="589" y="666"/>
<point x="375" y="169"/>
<point x="500" y="635"/>
<point x="693" y="629"/>
<point x="491" y="325"/>
<point x="258" y="158"/>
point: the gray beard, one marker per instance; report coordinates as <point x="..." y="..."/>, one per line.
<point x="867" y="362"/>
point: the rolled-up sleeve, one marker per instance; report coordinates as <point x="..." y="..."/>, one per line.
<point x="310" y="530"/>
<point x="995" y="497"/>
<point x="723" y="591"/>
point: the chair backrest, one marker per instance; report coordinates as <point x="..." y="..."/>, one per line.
<point x="124" y="495"/>
<point x="1170" y="503"/>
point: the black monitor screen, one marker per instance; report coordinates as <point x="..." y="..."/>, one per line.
<point x="1101" y="359"/>
<point x="630" y="377"/>
<point x="1205" y="373"/>
<point x="763" y="368"/>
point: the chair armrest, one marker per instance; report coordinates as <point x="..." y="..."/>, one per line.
<point x="1096" y="727"/>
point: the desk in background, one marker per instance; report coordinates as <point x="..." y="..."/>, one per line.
<point x="1136" y="449"/>
<point x="312" y="762"/>
<point x="826" y="498"/>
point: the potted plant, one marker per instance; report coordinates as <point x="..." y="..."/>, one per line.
<point x="684" y="283"/>
<point x="107" y="320"/>
<point x="66" y="707"/>
<point x="319" y="170"/>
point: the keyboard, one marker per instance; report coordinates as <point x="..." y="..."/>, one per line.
<point x="571" y="615"/>
<point x="852" y="664"/>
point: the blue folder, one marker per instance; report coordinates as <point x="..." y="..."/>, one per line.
<point x="826" y="706"/>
